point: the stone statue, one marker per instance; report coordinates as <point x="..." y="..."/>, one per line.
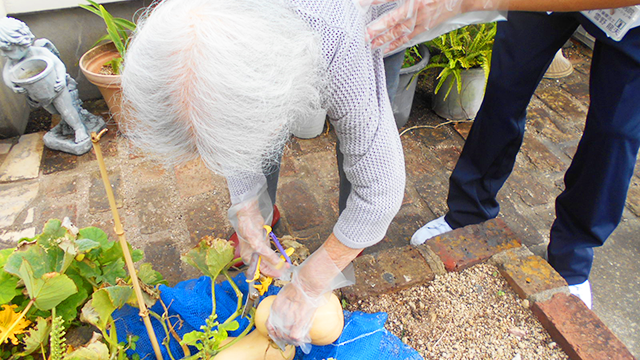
<point x="34" y="68"/>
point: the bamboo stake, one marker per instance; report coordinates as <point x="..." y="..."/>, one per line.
<point x="144" y="313"/>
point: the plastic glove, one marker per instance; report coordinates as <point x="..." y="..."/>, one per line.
<point x="248" y="218"/>
<point x="292" y="312"/>
<point x="414" y="17"/>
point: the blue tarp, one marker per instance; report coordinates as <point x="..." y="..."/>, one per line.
<point x="364" y="336"/>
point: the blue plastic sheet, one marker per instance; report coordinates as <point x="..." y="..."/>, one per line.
<point x="364" y="336"/>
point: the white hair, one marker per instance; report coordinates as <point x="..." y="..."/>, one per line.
<point x="221" y="79"/>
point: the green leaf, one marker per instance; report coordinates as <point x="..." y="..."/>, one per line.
<point x="35" y="255"/>
<point x="89" y="314"/>
<point x="106" y="300"/>
<point x="68" y="309"/>
<point x="219" y="255"/>
<point x="95" y="350"/>
<point x="48" y="291"/>
<point x="124" y="23"/>
<point x="197" y="257"/>
<point x="85" y="245"/>
<point x="136" y="254"/>
<point x="112" y="30"/>
<point x="4" y="256"/>
<point x="232" y="326"/>
<point x="8" y="287"/>
<point x="92" y="9"/>
<point x="147" y="275"/>
<point x="36" y="337"/>
<point x="191" y="338"/>
<point x="87" y="268"/>
<point x="112" y="271"/>
<point x="96" y="234"/>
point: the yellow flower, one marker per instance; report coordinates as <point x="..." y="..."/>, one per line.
<point x="7" y="317"/>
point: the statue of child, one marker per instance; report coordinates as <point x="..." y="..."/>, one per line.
<point x="18" y="45"/>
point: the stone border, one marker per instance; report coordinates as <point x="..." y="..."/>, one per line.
<point x="578" y="330"/>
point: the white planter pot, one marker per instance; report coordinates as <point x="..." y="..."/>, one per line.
<point x="312" y="127"/>
<point x="465" y="105"/>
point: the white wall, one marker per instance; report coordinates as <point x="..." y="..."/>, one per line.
<point x="28" y="6"/>
<point x="3" y="12"/>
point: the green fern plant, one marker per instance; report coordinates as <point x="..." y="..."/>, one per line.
<point x="464" y="48"/>
<point x="118" y="31"/>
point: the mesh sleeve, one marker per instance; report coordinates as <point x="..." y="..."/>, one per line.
<point x="359" y="109"/>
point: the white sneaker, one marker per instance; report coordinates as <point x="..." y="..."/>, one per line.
<point x="433" y="228"/>
<point x="583" y="291"/>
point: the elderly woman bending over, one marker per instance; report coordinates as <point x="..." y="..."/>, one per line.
<point x="191" y="93"/>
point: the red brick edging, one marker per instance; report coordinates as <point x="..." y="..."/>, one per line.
<point x="578" y="330"/>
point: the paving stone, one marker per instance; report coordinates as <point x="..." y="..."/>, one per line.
<point x="530" y="276"/>
<point x="30" y="216"/>
<point x="540" y="121"/>
<point x="441" y="137"/>
<point x="108" y="145"/>
<point x="165" y="258"/>
<point x="152" y="212"/>
<point x="578" y="330"/>
<point x="463" y="128"/>
<point x="540" y="156"/>
<point x="531" y="189"/>
<point x="561" y="103"/>
<point x="288" y="166"/>
<point x="577" y="84"/>
<point x="57" y="186"/>
<point x="193" y="178"/>
<point x="98" y="200"/>
<point x="633" y="196"/>
<point x="56" y="210"/>
<point x="299" y="205"/>
<point x="14" y="198"/>
<point x="23" y="161"/>
<point x="206" y="217"/>
<point x="433" y="191"/>
<point x="12" y="237"/>
<point x="5" y="147"/>
<point x="54" y="161"/>
<point x="388" y="271"/>
<point x="473" y="244"/>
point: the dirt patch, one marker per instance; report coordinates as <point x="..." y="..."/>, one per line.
<point x="473" y="314"/>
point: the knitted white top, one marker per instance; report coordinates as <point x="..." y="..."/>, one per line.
<point x="359" y="110"/>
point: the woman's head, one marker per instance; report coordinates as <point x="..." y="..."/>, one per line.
<point x="220" y="79"/>
<point x="15" y="38"/>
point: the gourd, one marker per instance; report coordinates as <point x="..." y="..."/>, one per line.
<point x="327" y="325"/>
<point x="255" y="346"/>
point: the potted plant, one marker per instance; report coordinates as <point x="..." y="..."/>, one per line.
<point x="464" y="55"/>
<point x="416" y="59"/>
<point x="101" y="65"/>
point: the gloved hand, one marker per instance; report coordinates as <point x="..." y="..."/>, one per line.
<point x="292" y="312"/>
<point x="413" y="17"/>
<point x="248" y="217"/>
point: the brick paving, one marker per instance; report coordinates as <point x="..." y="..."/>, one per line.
<point x="165" y="211"/>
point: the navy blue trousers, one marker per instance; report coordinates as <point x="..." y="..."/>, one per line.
<point x="597" y="181"/>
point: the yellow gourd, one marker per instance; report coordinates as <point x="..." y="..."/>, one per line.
<point x="328" y="320"/>
<point x="254" y="346"/>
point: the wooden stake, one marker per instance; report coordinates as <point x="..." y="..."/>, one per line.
<point x="144" y="313"/>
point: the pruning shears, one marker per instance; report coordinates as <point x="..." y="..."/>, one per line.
<point x="255" y="291"/>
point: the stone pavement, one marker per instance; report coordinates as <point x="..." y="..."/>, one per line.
<point x="165" y="211"/>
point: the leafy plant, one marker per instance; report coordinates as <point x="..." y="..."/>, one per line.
<point x="118" y="31"/>
<point x="464" y="48"/>
<point x="53" y="274"/>
<point x="214" y="257"/>
<point x="412" y="56"/>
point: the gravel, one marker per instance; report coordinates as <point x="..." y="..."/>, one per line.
<point x="473" y="314"/>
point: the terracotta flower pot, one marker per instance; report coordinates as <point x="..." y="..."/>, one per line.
<point x="109" y="85"/>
